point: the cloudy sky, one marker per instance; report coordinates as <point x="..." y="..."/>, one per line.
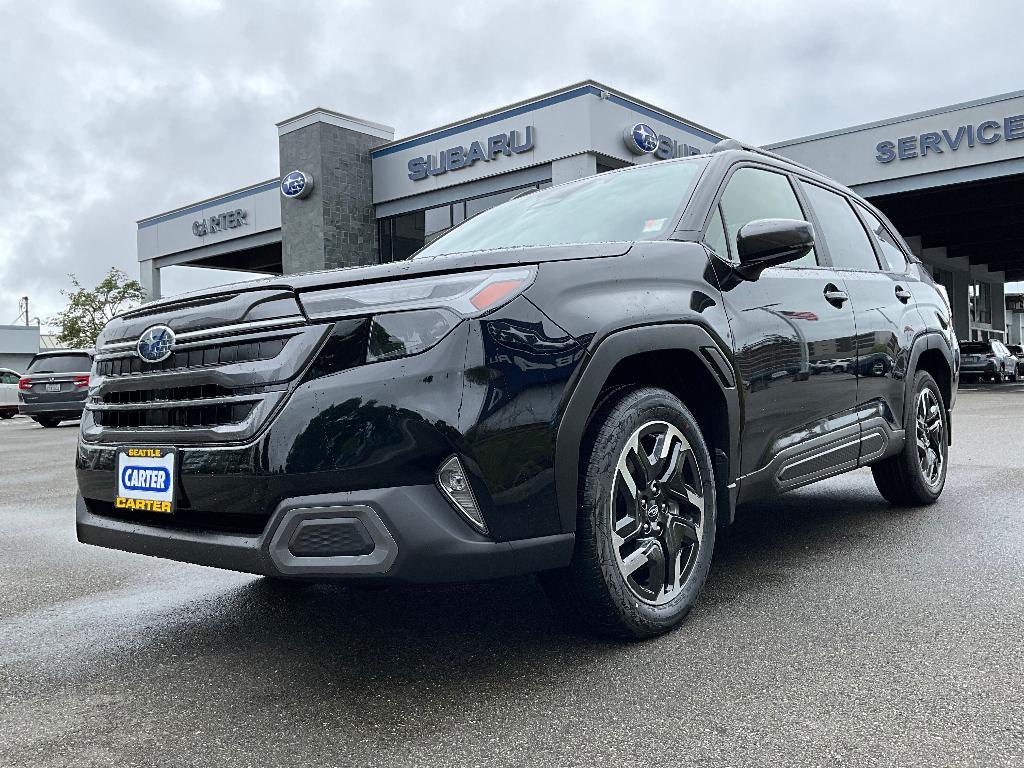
<point x="113" y="111"/>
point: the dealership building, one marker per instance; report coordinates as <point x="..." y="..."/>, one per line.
<point x="349" y="193"/>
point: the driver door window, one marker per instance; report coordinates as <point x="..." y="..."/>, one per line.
<point x="753" y="194"/>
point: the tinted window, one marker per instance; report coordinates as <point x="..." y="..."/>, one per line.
<point x="887" y="243"/>
<point x="848" y="243"/>
<point x="8" y="378"/>
<point x="715" y="237"/>
<point x="975" y="348"/>
<point x="60" y="364"/>
<point x="754" y="194"/>
<point x="635" y="204"/>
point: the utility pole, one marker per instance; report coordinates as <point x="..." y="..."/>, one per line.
<point x="23" y="309"/>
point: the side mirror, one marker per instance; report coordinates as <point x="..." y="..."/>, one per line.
<point x="769" y="242"/>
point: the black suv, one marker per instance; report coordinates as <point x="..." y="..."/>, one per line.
<point x="583" y="382"/>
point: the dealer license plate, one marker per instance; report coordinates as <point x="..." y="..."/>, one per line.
<point x="145" y="479"/>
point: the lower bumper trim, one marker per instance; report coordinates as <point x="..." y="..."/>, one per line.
<point x="418" y="538"/>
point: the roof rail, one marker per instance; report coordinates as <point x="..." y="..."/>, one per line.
<point x="727" y="144"/>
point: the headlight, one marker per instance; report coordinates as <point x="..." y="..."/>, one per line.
<point x="467" y="294"/>
<point x="411" y="316"/>
<point x="399" y="334"/>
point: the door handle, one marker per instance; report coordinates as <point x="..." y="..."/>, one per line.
<point x="834" y="296"/>
<point x="903" y="294"/>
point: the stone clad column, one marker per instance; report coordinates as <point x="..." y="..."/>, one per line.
<point x="334" y="225"/>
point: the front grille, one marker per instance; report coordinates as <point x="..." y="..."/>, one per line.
<point x="217" y="353"/>
<point x="219" y="384"/>
<point x="130" y="396"/>
<point x="180" y="416"/>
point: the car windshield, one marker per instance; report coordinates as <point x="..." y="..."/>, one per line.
<point x="60" y="364"/>
<point x="975" y="348"/>
<point x="638" y="204"/>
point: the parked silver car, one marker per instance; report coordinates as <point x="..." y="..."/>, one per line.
<point x="8" y="393"/>
<point x="55" y="386"/>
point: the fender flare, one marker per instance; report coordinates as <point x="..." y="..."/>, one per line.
<point x="927" y="341"/>
<point x="586" y="391"/>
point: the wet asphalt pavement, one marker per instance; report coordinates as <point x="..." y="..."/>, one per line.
<point x="833" y="630"/>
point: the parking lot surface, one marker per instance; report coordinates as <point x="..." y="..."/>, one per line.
<point x="833" y="630"/>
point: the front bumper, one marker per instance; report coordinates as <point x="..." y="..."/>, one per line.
<point x="413" y="536"/>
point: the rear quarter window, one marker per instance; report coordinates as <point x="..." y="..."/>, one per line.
<point x="891" y="251"/>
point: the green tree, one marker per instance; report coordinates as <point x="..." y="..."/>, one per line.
<point x="89" y="310"/>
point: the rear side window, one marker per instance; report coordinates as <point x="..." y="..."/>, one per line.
<point x="754" y="194"/>
<point x="60" y="364"/>
<point x="886" y="243"/>
<point x="848" y="243"/>
<point x="8" y="378"/>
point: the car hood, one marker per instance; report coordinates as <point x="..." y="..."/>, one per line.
<point x="456" y="262"/>
<point x="273" y="297"/>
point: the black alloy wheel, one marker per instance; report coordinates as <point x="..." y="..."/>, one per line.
<point x="917" y="474"/>
<point x="657" y="509"/>
<point x="645" y="531"/>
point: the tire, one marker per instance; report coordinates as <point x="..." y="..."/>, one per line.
<point x="597" y="588"/>
<point x="6" y="415"/>
<point x="910" y="479"/>
<point x="49" y="422"/>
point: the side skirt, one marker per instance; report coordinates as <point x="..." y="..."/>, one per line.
<point x="823" y="456"/>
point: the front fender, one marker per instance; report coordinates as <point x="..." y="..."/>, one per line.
<point x="595" y="371"/>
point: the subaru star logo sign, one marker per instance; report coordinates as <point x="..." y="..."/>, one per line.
<point x="641" y="139"/>
<point x="155" y="344"/>
<point x="297" y="184"/>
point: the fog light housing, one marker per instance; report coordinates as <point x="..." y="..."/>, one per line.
<point x="454" y="484"/>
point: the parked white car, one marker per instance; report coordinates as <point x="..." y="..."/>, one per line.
<point x="8" y="393"/>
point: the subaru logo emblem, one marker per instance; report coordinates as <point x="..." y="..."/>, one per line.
<point x="297" y="184"/>
<point x="641" y="139"/>
<point x="155" y="344"/>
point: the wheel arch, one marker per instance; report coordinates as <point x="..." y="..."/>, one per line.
<point x="682" y="358"/>
<point x="931" y="353"/>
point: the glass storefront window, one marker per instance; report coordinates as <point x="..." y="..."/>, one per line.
<point x="980" y="295"/>
<point x="408" y="235"/>
<point x="436" y="219"/>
